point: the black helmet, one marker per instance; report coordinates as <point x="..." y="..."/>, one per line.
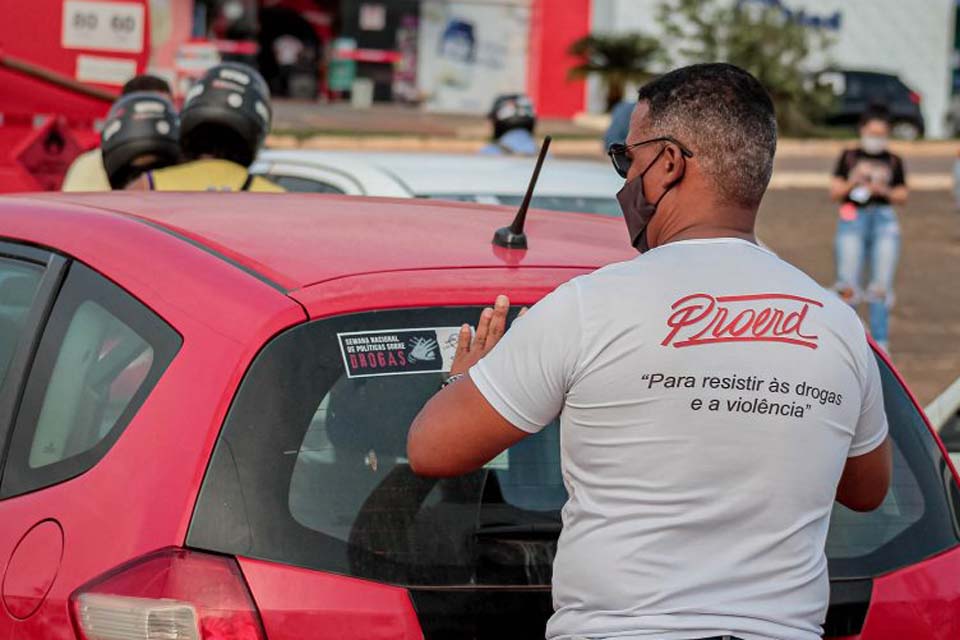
<point x="512" y="111"/>
<point x="141" y="133"/>
<point x="226" y="114"/>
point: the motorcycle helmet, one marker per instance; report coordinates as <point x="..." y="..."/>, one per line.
<point x="226" y="114"/>
<point x="512" y="111"/>
<point x="141" y="133"/>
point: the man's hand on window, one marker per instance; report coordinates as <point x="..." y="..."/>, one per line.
<point x="471" y="346"/>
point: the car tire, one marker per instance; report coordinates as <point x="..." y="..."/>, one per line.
<point x="905" y="130"/>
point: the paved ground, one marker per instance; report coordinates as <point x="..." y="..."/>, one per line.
<point x="925" y="324"/>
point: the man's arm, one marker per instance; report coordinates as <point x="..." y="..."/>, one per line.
<point x="457" y="432"/>
<point x="866" y="479"/>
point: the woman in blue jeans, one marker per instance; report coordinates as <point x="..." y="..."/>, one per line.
<point x="867" y="182"/>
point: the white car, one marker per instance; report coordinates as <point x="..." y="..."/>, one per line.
<point x="564" y="185"/>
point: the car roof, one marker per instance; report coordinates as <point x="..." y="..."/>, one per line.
<point x="295" y="240"/>
<point x="452" y="174"/>
<point x="873" y="74"/>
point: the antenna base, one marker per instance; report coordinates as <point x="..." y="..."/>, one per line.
<point x="505" y="237"/>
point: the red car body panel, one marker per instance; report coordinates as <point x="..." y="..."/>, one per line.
<point x="433" y="287"/>
<point x="919" y="601"/>
<point x="292" y="600"/>
<point x="310" y="258"/>
<point x="297" y="239"/>
<point x="181" y="283"/>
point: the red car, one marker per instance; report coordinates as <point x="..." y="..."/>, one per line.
<point x="204" y="401"/>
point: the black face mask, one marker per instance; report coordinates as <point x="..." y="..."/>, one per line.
<point x="637" y="210"/>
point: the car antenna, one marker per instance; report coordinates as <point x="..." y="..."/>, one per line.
<point x="513" y="237"/>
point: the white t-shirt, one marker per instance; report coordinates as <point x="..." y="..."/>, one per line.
<point x="709" y="395"/>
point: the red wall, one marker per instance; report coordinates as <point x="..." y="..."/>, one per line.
<point x="554" y="24"/>
<point x="33" y="32"/>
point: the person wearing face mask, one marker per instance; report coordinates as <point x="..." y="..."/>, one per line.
<point x="700" y="477"/>
<point x="867" y="182"/>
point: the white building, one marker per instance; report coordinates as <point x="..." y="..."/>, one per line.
<point x="913" y="39"/>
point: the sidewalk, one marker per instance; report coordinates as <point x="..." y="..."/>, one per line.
<point x="341" y="119"/>
<point x="400" y="127"/>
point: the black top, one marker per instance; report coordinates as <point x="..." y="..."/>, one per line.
<point x="864" y="169"/>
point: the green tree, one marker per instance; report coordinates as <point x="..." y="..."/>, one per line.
<point x="761" y="39"/>
<point x="617" y="59"/>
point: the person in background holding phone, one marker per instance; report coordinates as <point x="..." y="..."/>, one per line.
<point x="867" y="182"/>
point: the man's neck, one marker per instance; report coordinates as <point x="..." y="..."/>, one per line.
<point x="708" y="231"/>
<point x="723" y="223"/>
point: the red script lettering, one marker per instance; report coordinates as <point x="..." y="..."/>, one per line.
<point x="701" y="318"/>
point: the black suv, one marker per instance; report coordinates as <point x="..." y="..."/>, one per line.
<point x="856" y="90"/>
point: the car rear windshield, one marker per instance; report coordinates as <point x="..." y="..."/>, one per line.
<point x="310" y="470"/>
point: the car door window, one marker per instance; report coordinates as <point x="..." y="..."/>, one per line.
<point x="311" y="178"/>
<point x="18" y="285"/>
<point x="917" y="519"/>
<point x="304" y="185"/>
<point x="100" y="355"/>
<point x="876" y="87"/>
<point x="854" y="86"/>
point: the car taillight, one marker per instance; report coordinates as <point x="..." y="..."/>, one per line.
<point x="914" y="97"/>
<point x="172" y="594"/>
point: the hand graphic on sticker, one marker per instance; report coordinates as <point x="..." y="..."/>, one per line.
<point x="422" y="349"/>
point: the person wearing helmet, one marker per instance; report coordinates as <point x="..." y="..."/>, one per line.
<point x="141" y="134"/>
<point x="87" y="172"/>
<point x="223" y="123"/>
<point x="513" y="120"/>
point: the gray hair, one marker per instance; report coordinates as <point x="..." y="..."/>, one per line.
<point x="726" y="117"/>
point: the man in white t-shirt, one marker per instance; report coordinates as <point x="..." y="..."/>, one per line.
<point x="714" y="401"/>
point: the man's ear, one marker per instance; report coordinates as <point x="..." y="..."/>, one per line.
<point x="674" y="164"/>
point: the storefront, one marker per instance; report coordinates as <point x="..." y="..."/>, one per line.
<point x="890" y="36"/>
<point x="456" y="55"/>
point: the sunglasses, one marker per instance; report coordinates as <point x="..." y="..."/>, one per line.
<point x="619" y="153"/>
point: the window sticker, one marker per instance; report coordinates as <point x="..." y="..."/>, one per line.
<point x="393" y="352"/>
